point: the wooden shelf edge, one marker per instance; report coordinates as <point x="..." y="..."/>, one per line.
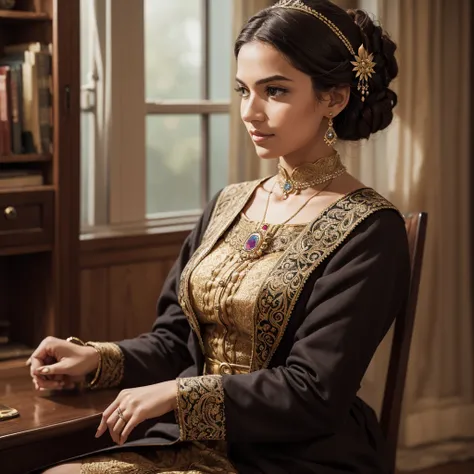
<point x="25" y="249"/>
<point x="26" y="158"/>
<point x="28" y="189"/>
<point x="23" y="15"/>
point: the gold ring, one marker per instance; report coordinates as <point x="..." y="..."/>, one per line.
<point x="120" y="415"/>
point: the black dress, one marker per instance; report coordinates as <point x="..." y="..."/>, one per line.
<point x="269" y="352"/>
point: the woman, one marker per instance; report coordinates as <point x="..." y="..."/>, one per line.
<point x="281" y="294"/>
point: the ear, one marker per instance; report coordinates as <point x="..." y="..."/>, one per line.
<point x="336" y="99"/>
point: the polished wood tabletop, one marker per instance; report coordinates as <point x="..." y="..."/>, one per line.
<point x="52" y="425"/>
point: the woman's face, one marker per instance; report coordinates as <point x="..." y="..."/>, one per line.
<point x="279" y="106"/>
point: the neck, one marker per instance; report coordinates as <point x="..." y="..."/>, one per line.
<point x="309" y="155"/>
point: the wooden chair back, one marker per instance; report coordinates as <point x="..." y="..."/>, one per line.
<point x="395" y="384"/>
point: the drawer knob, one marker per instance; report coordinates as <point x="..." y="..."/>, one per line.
<point x="10" y="213"/>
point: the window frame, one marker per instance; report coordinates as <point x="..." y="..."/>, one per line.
<point x="115" y="102"/>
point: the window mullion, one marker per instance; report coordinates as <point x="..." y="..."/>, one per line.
<point x="205" y="119"/>
<point x="125" y="111"/>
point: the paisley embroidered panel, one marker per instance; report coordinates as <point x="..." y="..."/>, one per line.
<point x="200" y="408"/>
<point x="280" y="291"/>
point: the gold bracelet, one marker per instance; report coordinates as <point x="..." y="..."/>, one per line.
<point x="80" y="342"/>
<point x="99" y="366"/>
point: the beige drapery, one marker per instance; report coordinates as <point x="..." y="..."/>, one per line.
<point x="420" y="163"/>
<point x="244" y="164"/>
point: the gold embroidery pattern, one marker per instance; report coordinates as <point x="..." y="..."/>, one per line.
<point x="112" y="364"/>
<point x="201" y="412"/>
<point x="228" y="206"/>
<point x="189" y="458"/>
<point x="282" y="287"/>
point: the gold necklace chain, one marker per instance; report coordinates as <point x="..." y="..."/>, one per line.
<point x="259" y="240"/>
<point x="298" y="210"/>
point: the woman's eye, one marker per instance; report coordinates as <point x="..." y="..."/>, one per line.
<point x="241" y="91"/>
<point x="275" y="91"/>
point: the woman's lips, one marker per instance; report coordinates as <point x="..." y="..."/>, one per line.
<point x="259" y="137"/>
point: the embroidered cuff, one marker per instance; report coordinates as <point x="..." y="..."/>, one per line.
<point x="112" y="361"/>
<point x="200" y="408"/>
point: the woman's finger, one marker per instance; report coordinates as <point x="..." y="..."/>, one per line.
<point x="61" y="367"/>
<point x="108" y="412"/>
<point x="41" y="356"/>
<point x="48" y="384"/>
<point x="117" y="430"/>
<point x="129" y="427"/>
<point x="112" y="407"/>
<point x="102" y="428"/>
<point x="111" y="422"/>
<point x="34" y="365"/>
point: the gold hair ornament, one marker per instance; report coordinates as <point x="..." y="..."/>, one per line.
<point x="364" y="62"/>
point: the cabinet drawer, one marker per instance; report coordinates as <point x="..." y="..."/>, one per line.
<point x="26" y="218"/>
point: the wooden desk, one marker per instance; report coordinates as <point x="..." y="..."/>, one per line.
<point x="50" y="427"/>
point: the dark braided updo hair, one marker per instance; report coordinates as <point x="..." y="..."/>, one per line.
<point x="314" y="49"/>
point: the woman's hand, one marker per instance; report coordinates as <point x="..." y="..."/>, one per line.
<point x="132" y="406"/>
<point x="59" y="364"/>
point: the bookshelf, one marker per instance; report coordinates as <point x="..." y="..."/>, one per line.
<point x="39" y="224"/>
<point x="23" y="15"/>
<point x="25" y="158"/>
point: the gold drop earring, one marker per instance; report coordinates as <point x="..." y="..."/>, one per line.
<point x="330" y="137"/>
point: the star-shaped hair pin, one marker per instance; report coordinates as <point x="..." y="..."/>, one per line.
<point x="364" y="66"/>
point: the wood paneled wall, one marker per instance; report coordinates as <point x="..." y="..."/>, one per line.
<point x="121" y="279"/>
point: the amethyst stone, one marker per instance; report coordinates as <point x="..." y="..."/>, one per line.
<point x="253" y="242"/>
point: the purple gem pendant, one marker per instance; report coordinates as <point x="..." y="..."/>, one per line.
<point x="255" y="243"/>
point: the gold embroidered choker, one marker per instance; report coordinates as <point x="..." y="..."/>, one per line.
<point x="310" y="174"/>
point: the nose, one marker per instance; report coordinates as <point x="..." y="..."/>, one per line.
<point x="251" y="110"/>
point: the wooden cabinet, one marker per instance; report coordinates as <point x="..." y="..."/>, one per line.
<point x="26" y="218"/>
<point x="39" y="226"/>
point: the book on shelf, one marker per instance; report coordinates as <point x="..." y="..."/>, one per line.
<point x="26" y="115"/>
<point x="20" y="178"/>
<point x="5" y="110"/>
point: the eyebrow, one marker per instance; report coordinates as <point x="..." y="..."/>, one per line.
<point x="276" y="77"/>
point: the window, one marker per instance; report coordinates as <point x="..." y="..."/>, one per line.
<point x="86" y="116"/>
<point x="156" y="99"/>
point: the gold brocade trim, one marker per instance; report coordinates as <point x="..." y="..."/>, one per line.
<point x="127" y="462"/>
<point x="279" y="292"/>
<point x="111" y="373"/>
<point x="186" y="458"/>
<point x="201" y="414"/>
<point x="229" y="204"/>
